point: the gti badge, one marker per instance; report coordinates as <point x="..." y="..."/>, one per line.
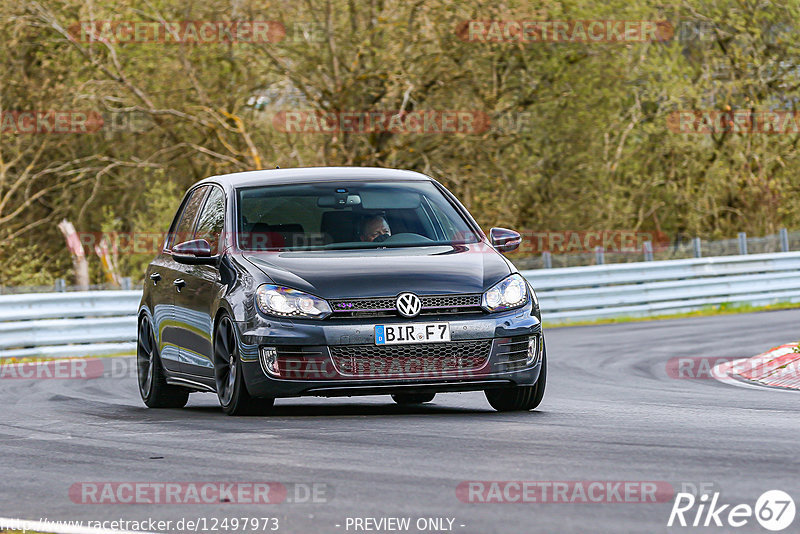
<point x="408" y="304"/>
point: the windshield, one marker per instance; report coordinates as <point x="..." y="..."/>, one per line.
<point x="348" y="215"/>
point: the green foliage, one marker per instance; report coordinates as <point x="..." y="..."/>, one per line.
<point x="580" y="136"/>
<point x="29" y="266"/>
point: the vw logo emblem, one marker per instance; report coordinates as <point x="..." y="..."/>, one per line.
<point x="409" y="305"/>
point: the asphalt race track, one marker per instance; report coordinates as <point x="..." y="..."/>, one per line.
<point x="611" y="413"/>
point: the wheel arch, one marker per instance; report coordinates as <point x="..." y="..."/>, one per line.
<point x="223" y="309"/>
<point x="144" y="311"/>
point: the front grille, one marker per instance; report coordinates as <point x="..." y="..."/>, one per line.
<point x="423" y="359"/>
<point x="386" y="306"/>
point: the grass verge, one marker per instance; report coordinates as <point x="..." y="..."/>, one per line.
<point x="55" y="358"/>
<point x="726" y="308"/>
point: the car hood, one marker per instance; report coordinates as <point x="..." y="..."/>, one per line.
<point x="385" y="272"/>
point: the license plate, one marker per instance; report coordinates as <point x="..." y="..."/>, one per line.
<point x="398" y="334"/>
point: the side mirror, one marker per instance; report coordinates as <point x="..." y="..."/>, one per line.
<point x="195" y="252"/>
<point x="505" y="240"/>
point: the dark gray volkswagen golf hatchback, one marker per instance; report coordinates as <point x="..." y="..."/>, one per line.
<point x="335" y="282"/>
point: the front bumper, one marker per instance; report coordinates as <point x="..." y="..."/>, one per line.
<point x="320" y="366"/>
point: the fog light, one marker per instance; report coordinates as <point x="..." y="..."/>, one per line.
<point x="533" y="350"/>
<point x="269" y="361"/>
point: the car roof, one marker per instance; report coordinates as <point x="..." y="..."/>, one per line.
<point x="310" y="175"/>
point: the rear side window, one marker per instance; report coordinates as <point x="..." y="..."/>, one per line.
<point x="184" y="229"/>
<point x="212" y="219"/>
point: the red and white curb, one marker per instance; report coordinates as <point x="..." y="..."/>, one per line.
<point x="778" y="367"/>
<point x="55" y="527"/>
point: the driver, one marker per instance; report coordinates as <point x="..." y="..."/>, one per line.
<point x="375" y="229"/>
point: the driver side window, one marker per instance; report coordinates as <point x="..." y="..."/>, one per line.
<point x="184" y="229"/>
<point x="212" y="219"/>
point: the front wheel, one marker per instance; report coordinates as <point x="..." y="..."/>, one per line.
<point x="228" y="375"/>
<point x="519" y="398"/>
<point x="405" y="399"/>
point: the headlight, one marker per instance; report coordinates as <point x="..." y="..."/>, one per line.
<point x="286" y="302"/>
<point x="533" y="296"/>
<point x="506" y="294"/>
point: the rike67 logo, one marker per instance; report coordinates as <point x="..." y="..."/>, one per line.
<point x="774" y="510"/>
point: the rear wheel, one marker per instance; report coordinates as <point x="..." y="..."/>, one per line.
<point x="228" y="375"/>
<point x="413" y="398"/>
<point x="519" y="398"/>
<point x="153" y="387"/>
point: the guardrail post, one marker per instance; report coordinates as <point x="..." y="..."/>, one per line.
<point x="599" y="255"/>
<point x="698" y="248"/>
<point x="61" y="285"/>
<point x="547" y="259"/>
<point x="648" y="251"/>
<point x="784" y="233"/>
<point x="125" y="282"/>
<point x="742" y="243"/>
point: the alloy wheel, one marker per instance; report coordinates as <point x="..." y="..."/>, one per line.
<point x="226" y="354"/>
<point x="145" y="357"/>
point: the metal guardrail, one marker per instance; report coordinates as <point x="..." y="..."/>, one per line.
<point x="662" y="287"/>
<point x="104" y="322"/>
<point x="570" y="252"/>
<point x="79" y="323"/>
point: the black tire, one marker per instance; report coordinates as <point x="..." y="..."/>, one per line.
<point x="153" y="387"/>
<point x="228" y="376"/>
<point x="520" y="398"/>
<point x="405" y="399"/>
